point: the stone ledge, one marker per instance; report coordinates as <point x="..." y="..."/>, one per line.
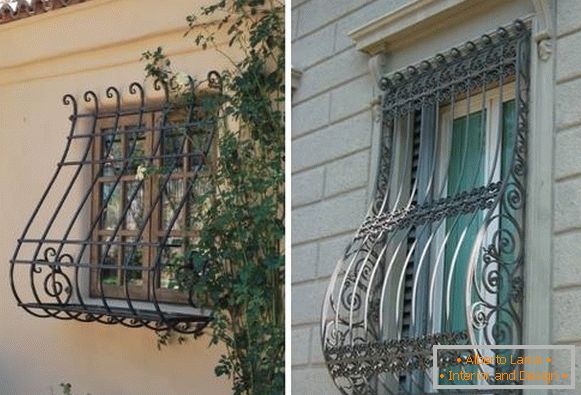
<point x="412" y="21"/>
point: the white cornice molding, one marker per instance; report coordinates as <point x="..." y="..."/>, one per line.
<point x="408" y="23"/>
<point x="419" y="17"/>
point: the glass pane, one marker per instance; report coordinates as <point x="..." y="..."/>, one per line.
<point x="111" y="200"/>
<point x="135" y="147"/>
<point x="200" y="201"/>
<point x="135" y="201"/>
<point x="509" y="128"/>
<point x="467" y="162"/>
<point x="171" y="198"/>
<point x="109" y="256"/>
<point x="171" y="262"/>
<point x="112" y="149"/>
<point x="173" y="148"/>
<point x="197" y="145"/>
<point x="466" y="171"/>
<point x="133" y="257"/>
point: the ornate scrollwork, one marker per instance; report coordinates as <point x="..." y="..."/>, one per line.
<point x="48" y="278"/>
<point x="463" y="203"/>
<point x="395" y="356"/>
<point x="436" y="80"/>
<point x="386" y="259"/>
<point x="56" y="283"/>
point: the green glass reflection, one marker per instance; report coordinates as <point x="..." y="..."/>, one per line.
<point x="135" y="147"/>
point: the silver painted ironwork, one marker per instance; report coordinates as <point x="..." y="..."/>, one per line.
<point x="395" y="293"/>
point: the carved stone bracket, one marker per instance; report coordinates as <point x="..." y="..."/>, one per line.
<point x="377" y="67"/>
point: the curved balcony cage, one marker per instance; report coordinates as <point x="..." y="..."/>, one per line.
<point x="439" y="257"/>
<point x="110" y="240"/>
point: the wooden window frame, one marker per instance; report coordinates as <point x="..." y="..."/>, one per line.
<point x="153" y="230"/>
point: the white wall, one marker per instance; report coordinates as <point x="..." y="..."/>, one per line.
<point x="88" y="46"/>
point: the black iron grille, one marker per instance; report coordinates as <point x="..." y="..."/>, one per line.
<point x="113" y="237"/>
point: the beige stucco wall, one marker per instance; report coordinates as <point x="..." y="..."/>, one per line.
<point x="87" y="46"/>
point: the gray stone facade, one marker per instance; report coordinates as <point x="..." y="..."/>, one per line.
<point x="331" y="140"/>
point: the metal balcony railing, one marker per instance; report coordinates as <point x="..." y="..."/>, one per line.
<point x="110" y="240"/>
<point x="439" y="258"/>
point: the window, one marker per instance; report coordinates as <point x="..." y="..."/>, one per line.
<point x="113" y="237"/>
<point x="439" y="258"/>
<point x="140" y="185"/>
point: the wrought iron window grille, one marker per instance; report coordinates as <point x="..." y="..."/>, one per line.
<point x="63" y="262"/>
<point x="439" y="257"/>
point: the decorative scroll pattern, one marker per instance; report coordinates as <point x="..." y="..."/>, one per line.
<point x="463" y="203"/>
<point x="438" y="80"/>
<point x="57" y="284"/>
<point x="54" y="259"/>
<point x="18" y="9"/>
<point x="398" y="251"/>
<point x="395" y="356"/>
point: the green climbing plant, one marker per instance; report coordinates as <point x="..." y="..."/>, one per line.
<point x="240" y="250"/>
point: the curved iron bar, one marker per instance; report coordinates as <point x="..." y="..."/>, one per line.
<point x="89" y="97"/>
<point x="156" y="202"/>
<point x="213" y="81"/>
<point x="60" y="295"/>
<point x="493" y="292"/>
<point x="67" y="100"/>
<point x="156" y="269"/>
<point x="111" y="92"/>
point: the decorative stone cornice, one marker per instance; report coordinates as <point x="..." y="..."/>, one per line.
<point x="409" y="22"/>
<point x="420" y="18"/>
